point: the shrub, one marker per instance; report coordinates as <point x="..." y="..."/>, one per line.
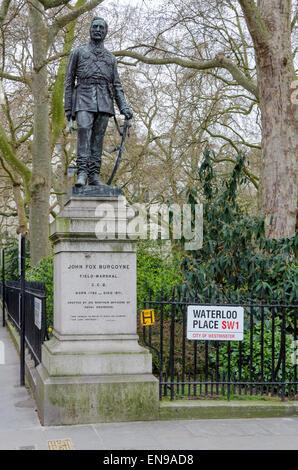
<point x="12" y="259"/>
<point x="236" y="255"/>
<point x="158" y="268"/>
<point x="43" y="272"/>
<point x="256" y="363"/>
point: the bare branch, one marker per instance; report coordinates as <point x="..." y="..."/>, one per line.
<point x="14" y="162"/>
<point x="74" y="14"/>
<point x="253" y="178"/>
<point x="25" y="137"/>
<point x="11" y="214"/>
<point x="53" y="3"/>
<point x="52" y="59"/>
<point x="220" y="61"/>
<point x="4" y="9"/>
<point x="294" y="21"/>
<point x="239" y="76"/>
<point x="5" y="168"/>
<point x="255" y="23"/>
<point x="15" y="78"/>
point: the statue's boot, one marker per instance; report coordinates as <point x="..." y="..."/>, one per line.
<point x="93" y="180"/>
<point x="83" y="149"/>
<point x="82" y="179"/>
<point x="93" y="171"/>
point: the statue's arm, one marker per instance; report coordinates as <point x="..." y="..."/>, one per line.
<point x="119" y="95"/>
<point x="69" y="82"/>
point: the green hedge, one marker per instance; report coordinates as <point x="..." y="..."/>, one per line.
<point x="257" y="355"/>
<point x="158" y="269"/>
<point x="43" y="272"/>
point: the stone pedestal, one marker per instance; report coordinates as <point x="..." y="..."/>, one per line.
<point x="93" y="369"/>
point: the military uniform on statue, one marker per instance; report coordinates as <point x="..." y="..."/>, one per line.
<point x="91" y="85"/>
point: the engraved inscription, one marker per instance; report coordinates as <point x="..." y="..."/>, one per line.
<point x="99" y="293"/>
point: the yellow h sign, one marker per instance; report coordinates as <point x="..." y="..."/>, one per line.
<point x="147" y="317"/>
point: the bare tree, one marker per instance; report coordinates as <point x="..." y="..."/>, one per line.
<point x="270" y="26"/>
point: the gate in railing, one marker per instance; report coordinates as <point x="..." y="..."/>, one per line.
<point x="263" y="363"/>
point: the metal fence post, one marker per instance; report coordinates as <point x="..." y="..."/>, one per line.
<point x="3" y="284"/>
<point x="22" y="255"/>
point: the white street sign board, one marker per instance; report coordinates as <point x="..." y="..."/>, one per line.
<point x="37" y="312"/>
<point x="215" y="322"/>
<point x="19" y="253"/>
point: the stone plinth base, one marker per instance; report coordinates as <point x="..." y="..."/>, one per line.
<point x="95" y="357"/>
<point x="93" y="399"/>
<point x="94" y="191"/>
<point x="93" y="369"/>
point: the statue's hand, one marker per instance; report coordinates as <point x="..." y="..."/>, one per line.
<point x="127" y="113"/>
<point x="68" y="115"/>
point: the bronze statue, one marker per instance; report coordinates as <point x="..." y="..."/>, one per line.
<point x="91" y="84"/>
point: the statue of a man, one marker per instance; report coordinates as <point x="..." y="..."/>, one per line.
<point x="91" y="84"/>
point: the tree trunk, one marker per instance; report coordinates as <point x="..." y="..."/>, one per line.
<point x="279" y="121"/>
<point x="40" y="182"/>
<point x="22" y="219"/>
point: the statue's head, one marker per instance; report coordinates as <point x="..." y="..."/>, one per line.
<point x="98" y="29"/>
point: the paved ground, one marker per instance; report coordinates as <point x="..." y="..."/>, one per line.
<point x="20" y="426"/>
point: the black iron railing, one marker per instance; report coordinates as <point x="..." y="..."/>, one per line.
<point x="34" y="311"/>
<point x="263" y="363"/>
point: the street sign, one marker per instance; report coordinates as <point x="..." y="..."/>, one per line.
<point x="3" y="285"/>
<point x="215" y="322"/>
<point x="20" y="253"/>
<point x="147" y="317"/>
<point x="37" y="312"/>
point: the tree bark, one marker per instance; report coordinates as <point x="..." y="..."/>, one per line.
<point x="22" y="219"/>
<point x="4" y="5"/>
<point x="279" y="120"/>
<point x="40" y="181"/>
